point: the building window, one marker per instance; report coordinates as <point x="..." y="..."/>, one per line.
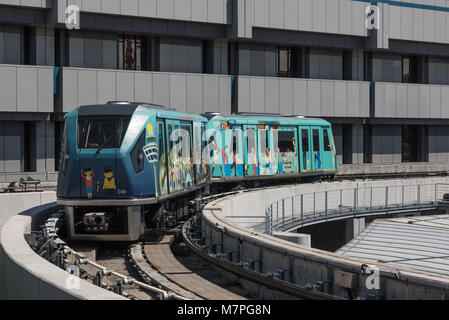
<point x="410" y="140"/>
<point x="287" y="62"/>
<point x="130" y="53"/>
<point x="409" y="69"/>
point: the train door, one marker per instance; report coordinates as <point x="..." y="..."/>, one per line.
<point x="162" y="163"/>
<point x="235" y="160"/>
<point x="186" y="154"/>
<point x="317" y="147"/>
<point x="286" y="151"/>
<point x="328" y="156"/>
<point x="268" y="163"/>
<point x="305" y="154"/>
<point x="173" y="155"/>
<point x="250" y="150"/>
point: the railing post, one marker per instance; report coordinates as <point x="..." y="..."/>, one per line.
<point x="403" y="195"/>
<point x="371" y="200"/>
<point x="269" y="220"/>
<point x="293" y="207"/>
<point x="325" y="202"/>
<point x="283" y="211"/>
<point x="355" y="196"/>
<point x="419" y="194"/>
<point x="436" y="194"/>
<point x="341" y="200"/>
<point x="314" y="198"/>
<point x="386" y="197"/>
<point x="302" y="207"/>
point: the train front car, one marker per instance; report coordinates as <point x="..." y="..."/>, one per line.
<point x="118" y="175"/>
<point x="247" y="146"/>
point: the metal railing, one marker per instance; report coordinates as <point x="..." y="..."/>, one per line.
<point x="308" y="208"/>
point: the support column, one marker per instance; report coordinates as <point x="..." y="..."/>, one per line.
<point x="357" y="143"/>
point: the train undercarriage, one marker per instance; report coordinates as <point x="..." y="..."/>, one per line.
<point x="127" y="222"/>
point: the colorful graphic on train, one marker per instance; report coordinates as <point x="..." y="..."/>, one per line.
<point x="88" y="177"/>
<point x="109" y="182"/>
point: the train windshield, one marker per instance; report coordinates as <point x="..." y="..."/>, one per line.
<point x="94" y="133"/>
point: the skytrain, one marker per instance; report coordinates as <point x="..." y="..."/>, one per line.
<point x="126" y="167"/>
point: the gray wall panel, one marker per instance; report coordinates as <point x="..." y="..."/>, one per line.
<point x="213" y="11"/>
<point x="308" y="97"/>
<point x="334" y="16"/>
<point x="271" y="95"/>
<point x="406" y="100"/>
<point x="45" y="90"/>
<point x="26" y="88"/>
<point x="286" y="96"/>
<point x="26" y="3"/>
<point x="184" y="92"/>
<point x="8" y="88"/>
<point x="125" y="86"/>
<point x="178" y="97"/>
<point x="195" y="94"/>
<point x="327" y="98"/>
<point x="87" y="86"/>
<point x="143" y="87"/>
<point x="147" y="8"/>
<point x="211" y="94"/>
<point x="161" y="89"/>
<point x="106" y="86"/>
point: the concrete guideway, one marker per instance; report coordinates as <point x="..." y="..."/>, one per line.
<point x="26" y="275"/>
<point x="225" y="228"/>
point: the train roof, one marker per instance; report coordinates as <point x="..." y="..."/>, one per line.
<point x="124" y="108"/>
<point x="256" y="118"/>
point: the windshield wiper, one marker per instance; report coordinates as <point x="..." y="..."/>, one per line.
<point x="103" y="144"/>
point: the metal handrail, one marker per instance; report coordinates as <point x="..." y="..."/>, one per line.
<point x="355" y="200"/>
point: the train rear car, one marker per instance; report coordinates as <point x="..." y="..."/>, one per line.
<point x="118" y="174"/>
<point x="246" y="145"/>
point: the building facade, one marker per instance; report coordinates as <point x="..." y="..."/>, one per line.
<point x="385" y="90"/>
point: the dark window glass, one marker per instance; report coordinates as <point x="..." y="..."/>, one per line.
<point x="161" y="142"/>
<point x="104" y="133"/>
<point x="327" y="145"/>
<point x="409" y="69"/>
<point x="137" y="155"/>
<point x="305" y="140"/>
<point x="285" y="141"/>
<point x="316" y="140"/>
<point x="130" y="53"/>
<point x="65" y="152"/>
<point x="283" y="62"/>
<point x="287" y="62"/>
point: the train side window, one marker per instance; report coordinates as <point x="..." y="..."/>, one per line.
<point x="137" y="155"/>
<point x="161" y="140"/>
<point x="286" y="141"/>
<point x="316" y="140"/>
<point x="327" y="145"/>
<point x="305" y="140"/>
